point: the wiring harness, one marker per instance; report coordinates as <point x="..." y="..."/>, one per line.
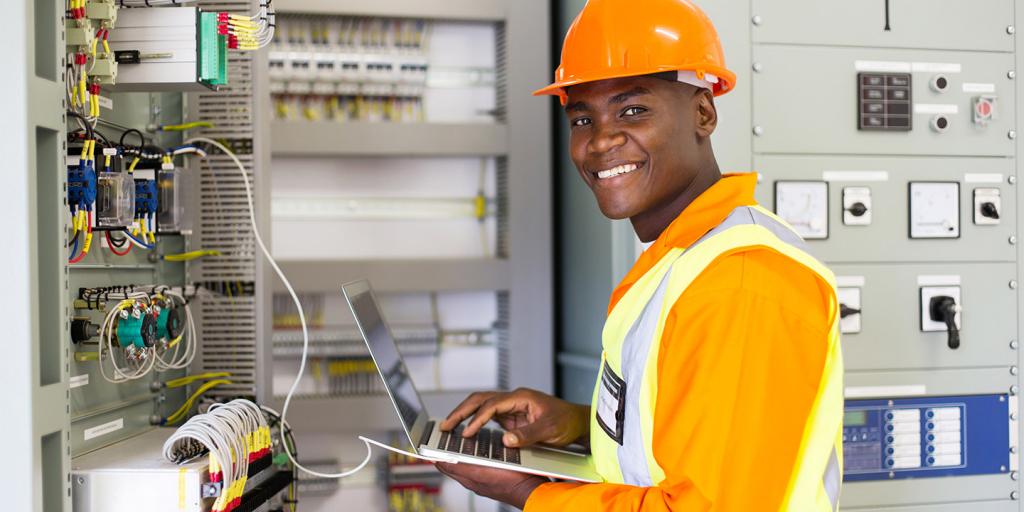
<point x="248" y="32"/>
<point x="236" y="435"/>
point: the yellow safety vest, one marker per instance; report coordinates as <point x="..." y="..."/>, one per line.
<point x="621" y="430"/>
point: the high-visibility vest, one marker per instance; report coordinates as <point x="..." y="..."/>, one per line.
<point x="632" y="338"/>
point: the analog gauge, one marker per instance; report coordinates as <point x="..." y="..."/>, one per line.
<point x="804" y="205"/>
<point x="934" y="210"/>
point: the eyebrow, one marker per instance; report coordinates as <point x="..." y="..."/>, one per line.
<point x="621" y="97"/>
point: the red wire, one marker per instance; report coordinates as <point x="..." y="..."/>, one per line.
<point x="85" y="249"/>
<point x="110" y="243"/>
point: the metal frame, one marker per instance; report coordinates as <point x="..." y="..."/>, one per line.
<point x="35" y="364"/>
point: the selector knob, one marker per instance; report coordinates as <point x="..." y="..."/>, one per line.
<point x="943" y="308"/>
<point x="858" y="209"/>
<point x="988" y="209"/>
<point x="845" y="311"/>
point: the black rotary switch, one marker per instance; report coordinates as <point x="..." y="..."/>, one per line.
<point x="857" y="209"/>
<point x="149" y="330"/>
<point x="988" y="209"/>
<point x="943" y="308"/>
<point x="845" y="311"/>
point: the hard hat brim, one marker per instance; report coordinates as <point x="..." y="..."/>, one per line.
<point x="727" y="80"/>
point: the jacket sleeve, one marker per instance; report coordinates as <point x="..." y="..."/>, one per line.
<point x="740" y="360"/>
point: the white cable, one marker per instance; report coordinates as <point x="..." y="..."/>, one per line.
<point x="305" y="331"/>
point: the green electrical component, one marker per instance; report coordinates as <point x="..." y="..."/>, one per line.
<point x="168" y="324"/>
<point x="213" y="51"/>
<point x="139" y="332"/>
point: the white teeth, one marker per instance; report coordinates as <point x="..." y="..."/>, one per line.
<point x="615" y="171"/>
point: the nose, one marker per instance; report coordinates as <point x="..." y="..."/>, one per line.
<point x="606" y="139"/>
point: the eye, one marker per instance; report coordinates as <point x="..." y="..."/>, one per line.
<point x="634" y="111"/>
<point x="581" y="121"/>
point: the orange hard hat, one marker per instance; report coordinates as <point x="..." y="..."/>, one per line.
<point x="620" y="38"/>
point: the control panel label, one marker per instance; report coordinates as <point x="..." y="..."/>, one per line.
<point x="104" y="429"/>
<point x="78" y="381"/>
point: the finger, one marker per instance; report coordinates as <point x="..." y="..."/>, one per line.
<point x="502" y="404"/>
<point x="526" y="435"/>
<point x="464" y="410"/>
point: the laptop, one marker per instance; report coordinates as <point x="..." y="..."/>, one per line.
<point x="485" y="448"/>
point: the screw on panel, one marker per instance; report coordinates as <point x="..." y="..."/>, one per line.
<point x="757" y="67"/>
<point x="1013" y="416"/>
<point x="1011" y="180"/>
<point x="1011" y="29"/>
<point x="1013" y="475"/>
<point x="1013" y="449"/>
<point x="1014" y="495"/>
<point x="1011" y="74"/>
<point x="1012" y="134"/>
<point x="1013" y="344"/>
<point x="759" y="131"/>
<point x="1013" y="240"/>
<point x="1013" y="285"/>
<point x="1013" y="390"/>
<point x="756" y="20"/>
<point x="1013" y="371"/>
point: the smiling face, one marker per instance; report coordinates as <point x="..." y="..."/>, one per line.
<point x="639" y="143"/>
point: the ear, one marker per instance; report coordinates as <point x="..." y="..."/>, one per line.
<point x="707" y="114"/>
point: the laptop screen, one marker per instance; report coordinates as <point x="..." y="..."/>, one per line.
<point x="384" y="352"/>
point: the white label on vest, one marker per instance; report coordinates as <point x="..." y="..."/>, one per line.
<point x="611" y="404"/>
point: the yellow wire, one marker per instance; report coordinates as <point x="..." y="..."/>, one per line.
<point x="189" y="256"/>
<point x="175" y="341"/>
<point x="184" y="381"/>
<point x="185" y="126"/>
<point x="131" y="167"/>
<point x="183" y="410"/>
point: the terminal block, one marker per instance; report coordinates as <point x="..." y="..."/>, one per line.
<point x="102" y="10"/>
<point x="146" y="202"/>
<point x="78" y="34"/>
<point x="81" y="186"/>
<point x="103" y="67"/>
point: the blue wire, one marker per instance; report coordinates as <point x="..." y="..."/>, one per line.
<point x="140" y="242"/>
<point x="74" y="249"/>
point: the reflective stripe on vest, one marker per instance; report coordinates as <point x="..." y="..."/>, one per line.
<point x="632" y="338"/>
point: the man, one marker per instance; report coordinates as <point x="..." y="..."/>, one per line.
<point x="720" y="385"/>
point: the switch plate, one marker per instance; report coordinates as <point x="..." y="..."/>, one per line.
<point x="984" y="110"/>
<point x="850" y="297"/>
<point x="934" y="209"/>
<point x="927" y="292"/>
<point x="852" y="196"/>
<point x="981" y="197"/>
<point x="804" y="205"/>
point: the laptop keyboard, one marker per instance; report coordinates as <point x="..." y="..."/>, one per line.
<point x="485" y="444"/>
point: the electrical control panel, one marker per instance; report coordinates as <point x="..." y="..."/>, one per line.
<point x="910" y="130"/>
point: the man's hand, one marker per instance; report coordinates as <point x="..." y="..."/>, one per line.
<point x="506" y="486"/>
<point x="528" y="416"/>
